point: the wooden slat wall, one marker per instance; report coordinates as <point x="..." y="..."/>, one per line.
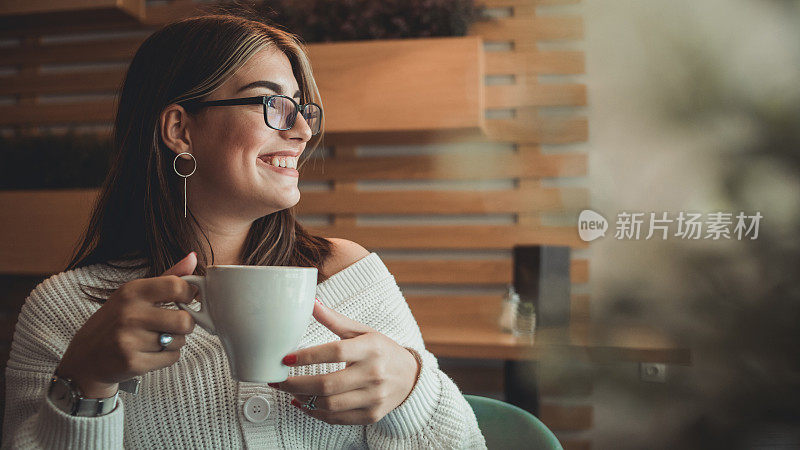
<point x="524" y="29"/>
<point x="347" y="201"/>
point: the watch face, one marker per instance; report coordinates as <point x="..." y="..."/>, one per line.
<point x="61" y="395"/>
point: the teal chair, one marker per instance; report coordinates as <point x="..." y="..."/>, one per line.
<point x="506" y="426"/>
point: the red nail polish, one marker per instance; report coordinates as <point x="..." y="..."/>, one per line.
<point x="296" y="403"/>
<point x="273" y="385"/>
<point x="290" y="359"/>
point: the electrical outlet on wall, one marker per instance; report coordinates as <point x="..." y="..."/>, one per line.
<point x="653" y="372"/>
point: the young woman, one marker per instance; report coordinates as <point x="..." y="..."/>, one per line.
<point x="214" y="115"/>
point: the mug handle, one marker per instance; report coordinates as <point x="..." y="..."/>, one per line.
<point x="202" y="317"/>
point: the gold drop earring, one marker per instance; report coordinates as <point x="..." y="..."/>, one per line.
<point x="174" y="166"/>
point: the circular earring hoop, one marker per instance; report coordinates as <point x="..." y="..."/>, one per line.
<point x="174" y="167"/>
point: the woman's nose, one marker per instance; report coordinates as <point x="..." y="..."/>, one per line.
<point x="301" y="129"/>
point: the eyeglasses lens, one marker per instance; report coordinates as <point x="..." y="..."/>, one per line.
<point x="281" y="114"/>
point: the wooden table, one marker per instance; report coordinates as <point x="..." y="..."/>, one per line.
<point x="468" y="328"/>
<point x="471" y="331"/>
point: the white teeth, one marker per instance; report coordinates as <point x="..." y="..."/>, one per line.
<point x="286" y="161"/>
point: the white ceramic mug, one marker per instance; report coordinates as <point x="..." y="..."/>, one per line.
<point x="260" y="313"/>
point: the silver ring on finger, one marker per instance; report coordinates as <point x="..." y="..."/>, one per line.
<point x="310" y="403"/>
<point x="164" y="339"/>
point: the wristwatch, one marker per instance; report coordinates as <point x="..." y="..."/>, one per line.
<point x="68" y="398"/>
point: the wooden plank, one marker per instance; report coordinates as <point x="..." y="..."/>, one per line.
<point x="110" y="50"/>
<point x="457" y="271"/>
<point x="41" y="15"/>
<point x="566" y="418"/>
<point x="464" y="166"/>
<point x="528" y="218"/>
<point x="443" y="202"/>
<point x="535" y="62"/>
<point x="58" y="113"/>
<point x="40" y="228"/>
<point x="520" y="95"/>
<point x="343" y="187"/>
<point x="64" y="83"/>
<point x="25" y="7"/>
<point x="452" y="236"/>
<point x="398" y="74"/>
<point x="154" y="15"/>
<point x="545" y="130"/>
<point x="528" y="29"/>
<point x="91" y="24"/>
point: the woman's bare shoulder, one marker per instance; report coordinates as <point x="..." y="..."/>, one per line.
<point x="343" y="254"/>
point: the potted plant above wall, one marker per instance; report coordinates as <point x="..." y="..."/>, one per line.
<point x="355" y="20"/>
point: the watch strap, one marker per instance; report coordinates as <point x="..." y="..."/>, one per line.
<point x="93" y="407"/>
<point x="74" y="404"/>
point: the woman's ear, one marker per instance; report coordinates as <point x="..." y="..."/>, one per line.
<point x="173" y="126"/>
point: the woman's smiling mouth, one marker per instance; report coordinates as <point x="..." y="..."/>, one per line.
<point x="275" y="164"/>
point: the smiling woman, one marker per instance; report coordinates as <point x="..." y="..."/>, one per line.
<point x="215" y="90"/>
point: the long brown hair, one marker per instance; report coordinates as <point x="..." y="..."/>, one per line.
<point x="138" y="220"/>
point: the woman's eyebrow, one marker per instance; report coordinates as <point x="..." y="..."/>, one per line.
<point x="275" y="87"/>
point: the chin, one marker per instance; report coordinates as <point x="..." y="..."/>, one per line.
<point x="289" y="201"/>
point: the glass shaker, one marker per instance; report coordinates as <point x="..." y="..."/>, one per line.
<point x="525" y="321"/>
<point x="509" y="310"/>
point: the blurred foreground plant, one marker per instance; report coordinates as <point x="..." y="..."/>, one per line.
<point x="737" y="306"/>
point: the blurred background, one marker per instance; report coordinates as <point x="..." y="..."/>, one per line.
<point x="694" y="107"/>
<point x="544" y="108"/>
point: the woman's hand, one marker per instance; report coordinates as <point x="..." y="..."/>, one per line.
<point x="378" y="376"/>
<point x="120" y="340"/>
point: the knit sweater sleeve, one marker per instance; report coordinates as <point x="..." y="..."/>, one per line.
<point x="51" y="315"/>
<point x="435" y="414"/>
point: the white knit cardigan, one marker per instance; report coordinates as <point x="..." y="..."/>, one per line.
<point x="196" y="404"/>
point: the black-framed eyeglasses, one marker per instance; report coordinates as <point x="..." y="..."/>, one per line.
<point x="280" y="111"/>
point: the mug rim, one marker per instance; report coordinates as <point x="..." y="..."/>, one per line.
<point x="229" y="266"/>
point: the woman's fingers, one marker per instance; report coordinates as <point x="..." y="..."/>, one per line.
<point x="343" y="326"/>
<point x="149" y="340"/>
<point x="347" y="350"/>
<point x="171" y="321"/>
<point x="164" y="289"/>
<point x="356" y="399"/>
<point x="332" y="383"/>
